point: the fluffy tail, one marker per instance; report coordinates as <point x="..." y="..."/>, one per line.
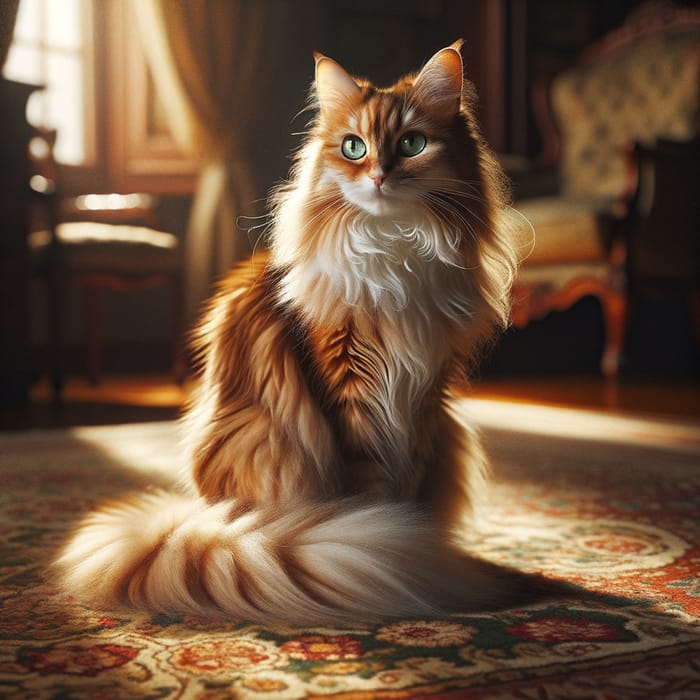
<point x="317" y="563"/>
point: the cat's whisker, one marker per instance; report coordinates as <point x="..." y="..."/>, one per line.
<point x="250" y="217"/>
<point x="266" y="224"/>
<point x="307" y="108"/>
<point x="334" y="210"/>
<point x="457" y="182"/>
<point x="528" y="224"/>
<point x="450" y="193"/>
<point x="457" y="193"/>
<point x="336" y="206"/>
<point x="462" y="211"/>
<point x="449" y="208"/>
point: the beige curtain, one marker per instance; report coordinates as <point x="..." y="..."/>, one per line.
<point x="213" y="62"/>
<point x="8" y="14"/>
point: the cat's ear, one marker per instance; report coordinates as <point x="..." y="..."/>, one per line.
<point x="334" y="86"/>
<point x="439" y="84"/>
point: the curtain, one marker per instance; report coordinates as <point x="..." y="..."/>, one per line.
<point x="8" y="14"/>
<point x="213" y="62"/>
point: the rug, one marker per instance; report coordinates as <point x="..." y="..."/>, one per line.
<point x="611" y="504"/>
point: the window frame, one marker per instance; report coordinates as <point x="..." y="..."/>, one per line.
<point x="142" y="153"/>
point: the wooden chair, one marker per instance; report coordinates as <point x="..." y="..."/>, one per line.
<point x="640" y="82"/>
<point x="100" y="242"/>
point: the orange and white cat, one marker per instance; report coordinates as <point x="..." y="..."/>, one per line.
<point x="326" y="471"/>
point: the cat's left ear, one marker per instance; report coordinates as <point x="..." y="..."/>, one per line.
<point x="439" y="84"/>
<point x="334" y="86"/>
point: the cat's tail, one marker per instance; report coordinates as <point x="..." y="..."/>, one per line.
<point x="316" y="563"/>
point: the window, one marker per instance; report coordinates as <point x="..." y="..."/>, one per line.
<point x="50" y="47"/>
<point x="116" y="135"/>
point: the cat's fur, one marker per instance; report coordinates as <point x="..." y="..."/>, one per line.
<point x="326" y="467"/>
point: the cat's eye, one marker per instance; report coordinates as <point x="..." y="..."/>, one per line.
<point x="412" y="143"/>
<point x="353" y="147"/>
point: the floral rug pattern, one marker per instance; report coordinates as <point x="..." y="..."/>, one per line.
<point x="618" y="520"/>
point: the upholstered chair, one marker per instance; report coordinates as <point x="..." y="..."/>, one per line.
<point x="639" y="83"/>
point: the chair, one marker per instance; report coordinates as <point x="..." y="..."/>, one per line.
<point x="100" y="242"/>
<point x="638" y="83"/>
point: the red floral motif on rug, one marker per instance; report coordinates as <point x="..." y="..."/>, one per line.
<point x="615" y="514"/>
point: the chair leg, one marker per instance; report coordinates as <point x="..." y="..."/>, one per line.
<point x="94" y="340"/>
<point x="55" y="312"/>
<point x="614" y="306"/>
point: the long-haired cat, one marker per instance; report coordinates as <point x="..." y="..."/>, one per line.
<point x="326" y="470"/>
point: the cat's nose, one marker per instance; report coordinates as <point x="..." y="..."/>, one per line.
<point x="377" y="175"/>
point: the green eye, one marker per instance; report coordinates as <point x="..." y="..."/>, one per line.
<point x="412" y="143"/>
<point x="353" y="147"/>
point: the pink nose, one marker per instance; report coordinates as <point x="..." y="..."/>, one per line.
<point x="377" y="177"/>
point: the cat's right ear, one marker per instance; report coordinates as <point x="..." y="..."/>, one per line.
<point x="439" y="84"/>
<point x="334" y="86"/>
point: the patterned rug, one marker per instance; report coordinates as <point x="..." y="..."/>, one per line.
<point x="610" y="504"/>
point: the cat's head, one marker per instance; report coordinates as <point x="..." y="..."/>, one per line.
<point x="390" y="150"/>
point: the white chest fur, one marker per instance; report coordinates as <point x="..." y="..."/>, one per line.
<point x="402" y="288"/>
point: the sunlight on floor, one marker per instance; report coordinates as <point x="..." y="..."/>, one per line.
<point x="575" y="408"/>
<point x="149" y="448"/>
<point x="583" y="424"/>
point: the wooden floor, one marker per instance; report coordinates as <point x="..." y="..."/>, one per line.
<point x="126" y="399"/>
<point x="666" y="399"/>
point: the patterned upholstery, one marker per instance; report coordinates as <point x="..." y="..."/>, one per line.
<point x="638" y="93"/>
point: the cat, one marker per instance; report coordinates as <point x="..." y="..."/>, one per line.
<point x="327" y="474"/>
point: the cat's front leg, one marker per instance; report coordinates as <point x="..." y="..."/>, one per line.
<point x="254" y="431"/>
<point x="250" y="454"/>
